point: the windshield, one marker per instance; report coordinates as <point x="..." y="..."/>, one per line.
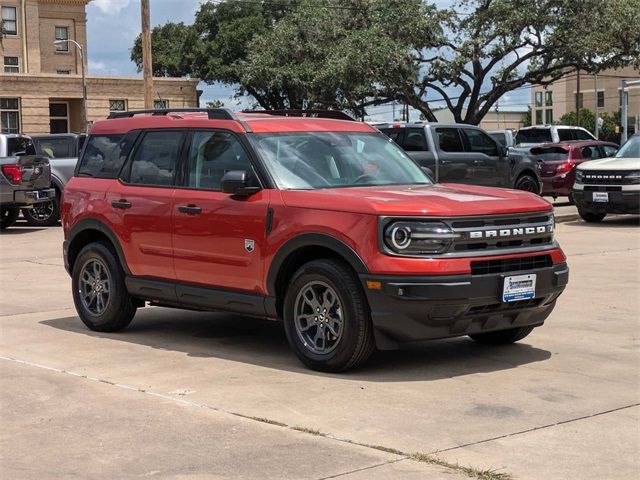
<point x="311" y="160"/>
<point x="631" y="149"/>
<point x="533" y="135"/>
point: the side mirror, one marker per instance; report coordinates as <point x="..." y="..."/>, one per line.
<point x="503" y="151"/>
<point x="237" y="183"/>
<point x="428" y="173"/>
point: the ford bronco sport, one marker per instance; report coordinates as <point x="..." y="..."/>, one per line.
<point x="321" y="222"/>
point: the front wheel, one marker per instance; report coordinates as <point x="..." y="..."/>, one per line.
<point x="528" y="184"/>
<point x="591" y="217"/>
<point x="8" y="216"/>
<point x="326" y="317"/>
<point x="99" y="292"/>
<point x="502" y="337"/>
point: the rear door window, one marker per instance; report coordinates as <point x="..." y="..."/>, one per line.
<point x="414" y="140"/>
<point x="590" y="152"/>
<point x="56" y="147"/>
<point x="582" y="135"/>
<point x="566" y="134"/>
<point x="101" y="158"/>
<point x="534" y="135"/>
<point x="449" y="139"/>
<point x="480" y="142"/>
<point x="154" y="161"/>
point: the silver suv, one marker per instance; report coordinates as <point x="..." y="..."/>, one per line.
<point x="540" y="134"/>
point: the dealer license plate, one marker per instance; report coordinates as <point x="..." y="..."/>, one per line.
<point x="601" y="197"/>
<point x="519" y="287"/>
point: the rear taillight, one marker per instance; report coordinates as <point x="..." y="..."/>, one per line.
<point x="13" y="173"/>
<point x="565" y="167"/>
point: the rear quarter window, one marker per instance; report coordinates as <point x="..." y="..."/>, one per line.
<point x="101" y="157"/>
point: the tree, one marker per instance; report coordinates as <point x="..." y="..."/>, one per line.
<point x="215" y="104"/>
<point x="496" y="46"/>
<point x="173" y="53"/>
<point x="526" y="117"/>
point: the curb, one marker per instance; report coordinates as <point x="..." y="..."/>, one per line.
<point x="569" y="217"/>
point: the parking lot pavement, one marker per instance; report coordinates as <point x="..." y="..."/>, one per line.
<point x="187" y="393"/>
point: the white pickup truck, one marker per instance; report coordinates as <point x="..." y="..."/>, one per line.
<point x="25" y="178"/>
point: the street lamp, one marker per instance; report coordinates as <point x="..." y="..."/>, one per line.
<point x="84" y="81"/>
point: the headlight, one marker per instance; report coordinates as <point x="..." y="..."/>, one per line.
<point x="418" y="238"/>
<point x="633" y="177"/>
<point x="579" y="176"/>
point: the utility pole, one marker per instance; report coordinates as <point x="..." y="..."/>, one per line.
<point x="578" y="98"/>
<point x="595" y="89"/>
<point x="146" y="54"/>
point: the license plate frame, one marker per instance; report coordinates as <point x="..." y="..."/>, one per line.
<point x="600" y="197"/>
<point x="519" y="287"/>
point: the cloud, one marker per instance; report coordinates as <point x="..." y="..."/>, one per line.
<point x="111" y="7"/>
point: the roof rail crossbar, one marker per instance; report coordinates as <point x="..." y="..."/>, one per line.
<point x="213" y="113"/>
<point x="334" y="114"/>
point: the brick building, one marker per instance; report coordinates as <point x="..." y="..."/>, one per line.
<point x="550" y="103"/>
<point x="41" y="82"/>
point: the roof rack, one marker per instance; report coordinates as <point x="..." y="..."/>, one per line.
<point x="213" y="113"/>
<point x="334" y="114"/>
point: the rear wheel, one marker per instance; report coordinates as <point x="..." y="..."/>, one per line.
<point x="8" y="217"/>
<point x="527" y="183"/>
<point x="502" y="337"/>
<point x="43" y="214"/>
<point x="99" y="292"/>
<point x="591" y="217"/>
<point x="326" y="317"/>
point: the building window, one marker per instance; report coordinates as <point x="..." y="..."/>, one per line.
<point x="157" y="104"/>
<point x="548" y="116"/>
<point x="9" y="115"/>
<point x="63" y="72"/>
<point x="538" y="99"/>
<point x="538" y="117"/>
<point x="11" y="65"/>
<point x="9" y="21"/>
<point x="117" y="105"/>
<point x="579" y="101"/>
<point x="62" y="33"/>
<point x="600" y="99"/>
<point x="548" y="99"/>
<point x="59" y="117"/>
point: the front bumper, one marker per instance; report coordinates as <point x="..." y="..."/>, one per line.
<point x="623" y="201"/>
<point x="408" y="309"/>
<point x="28" y="198"/>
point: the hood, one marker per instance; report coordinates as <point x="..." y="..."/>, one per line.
<point x="612" y="164"/>
<point x="443" y="200"/>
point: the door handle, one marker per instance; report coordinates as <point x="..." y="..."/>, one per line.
<point x="122" y="203"/>
<point x="478" y="162"/>
<point x="190" y="209"/>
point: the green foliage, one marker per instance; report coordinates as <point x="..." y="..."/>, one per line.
<point x="526" y="118"/>
<point x="587" y="120"/>
<point x="215" y="104"/>
<point x="355" y="53"/>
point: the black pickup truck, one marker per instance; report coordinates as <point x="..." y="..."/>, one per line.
<point x="25" y="178"/>
<point x="459" y="153"/>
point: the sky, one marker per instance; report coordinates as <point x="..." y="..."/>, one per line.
<point x="112" y="26"/>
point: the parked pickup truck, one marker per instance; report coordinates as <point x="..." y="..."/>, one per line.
<point x="62" y="150"/>
<point x="25" y="178"/>
<point x="459" y="153"/>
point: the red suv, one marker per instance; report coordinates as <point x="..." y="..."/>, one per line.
<point x="558" y="162"/>
<point x="321" y="222"/>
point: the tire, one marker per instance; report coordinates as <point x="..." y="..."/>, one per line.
<point x="119" y="308"/>
<point x="8" y="216"/>
<point x="591" y="217"/>
<point x="572" y="200"/>
<point x="502" y="337"/>
<point x="328" y="346"/>
<point x="528" y="184"/>
<point x="44" y="214"/>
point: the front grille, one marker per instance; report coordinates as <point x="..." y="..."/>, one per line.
<point x="510" y="265"/>
<point x="498" y="307"/>
<point x="607" y="178"/>
<point x="500" y="233"/>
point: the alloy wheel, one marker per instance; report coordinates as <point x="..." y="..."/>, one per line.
<point x="319" y="320"/>
<point x="95" y="286"/>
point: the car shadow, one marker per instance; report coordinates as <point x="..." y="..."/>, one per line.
<point x="263" y="343"/>
<point x="20" y="229"/>
<point x="610" y="221"/>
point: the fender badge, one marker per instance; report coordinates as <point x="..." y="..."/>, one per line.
<point x="249" y="245"/>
